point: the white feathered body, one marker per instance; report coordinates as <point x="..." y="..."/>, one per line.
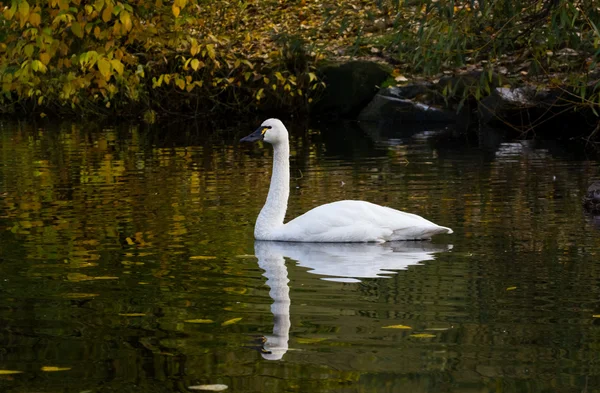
<point x="353" y="221"/>
<point x="343" y="221"/>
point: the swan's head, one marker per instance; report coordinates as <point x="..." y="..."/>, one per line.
<point x="271" y="130"/>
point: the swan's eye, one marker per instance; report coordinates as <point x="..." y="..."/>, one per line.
<point x="265" y="128"/>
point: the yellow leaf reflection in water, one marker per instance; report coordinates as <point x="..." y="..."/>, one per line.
<point x="198" y="321"/>
<point x="231" y="321"/>
<point x="422" y="335"/>
<point x="9" y="372"/>
<point x="76" y="277"/>
<point x="54" y="369"/>
<point x="397" y="327"/>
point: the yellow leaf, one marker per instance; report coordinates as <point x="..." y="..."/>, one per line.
<point x="397" y="327"/>
<point x="23" y="12"/>
<point x="10" y="12"/>
<point x="198" y="257"/>
<point x="54" y="368"/>
<point x="180" y="83"/>
<point x="279" y="76"/>
<point x="133" y="314"/>
<point x="511" y="288"/>
<point x="195" y="63"/>
<point x="199" y="321"/>
<point x="8" y="372"/>
<point x="35" y="19"/>
<point x="129" y="241"/>
<point x="231" y="321"/>
<point x="117" y="66"/>
<point x="422" y="335"/>
<point x="104" y="67"/>
<point x="213" y="388"/>
<point x="311" y="76"/>
<point x="125" y="19"/>
<point x="45" y="58"/>
<point x="211" y="51"/>
<point x="176" y="10"/>
<point x="107" y="13"/>
<point x="596" y="316"/>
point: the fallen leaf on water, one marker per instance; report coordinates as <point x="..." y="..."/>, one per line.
<point x="422" y="335"/>
<point x="302" y="340"/>
<point x="511" y="288"/>
<point x="397" y="327"/>
<point x="214" y="388"/>
<point x="201" y="257"/>
<point x="54" y="368"/>
<point x="8" y="372"/>
<point x="199" y="321"/>
<point x="133" y="314"/>
<point x="231" y="321"/>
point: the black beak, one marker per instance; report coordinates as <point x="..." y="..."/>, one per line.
<point x="255" y="136"/>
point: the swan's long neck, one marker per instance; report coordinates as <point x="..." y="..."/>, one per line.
<point x="273" y="212"/>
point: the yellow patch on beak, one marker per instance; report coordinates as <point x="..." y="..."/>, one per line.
<point x="264" y="130"/>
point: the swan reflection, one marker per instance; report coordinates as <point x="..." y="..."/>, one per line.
<point x="346" y="262"/>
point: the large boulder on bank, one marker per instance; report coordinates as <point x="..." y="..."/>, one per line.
<point x="530" y="108"/>
<point x="349" y="87"/>
<point x="407" y="104"/>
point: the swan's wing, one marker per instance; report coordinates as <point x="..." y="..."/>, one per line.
<point x="358" y="221"/>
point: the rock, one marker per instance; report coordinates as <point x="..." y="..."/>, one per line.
<point x="528" y="108"/>
<point x="349" y="87"/>
<point x="399" y="105"/>
<point x="591" y="200"/>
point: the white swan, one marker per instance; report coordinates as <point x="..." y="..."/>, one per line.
<point x="342" y="221"/>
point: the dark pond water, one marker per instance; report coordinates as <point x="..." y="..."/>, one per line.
<point x="127" y="264"/>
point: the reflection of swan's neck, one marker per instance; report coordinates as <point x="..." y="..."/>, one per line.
<point x="273" y="212"/>
<point x="276" y="345"/>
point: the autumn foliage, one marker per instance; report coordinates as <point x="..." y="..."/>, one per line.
<point x="105" y="56"/>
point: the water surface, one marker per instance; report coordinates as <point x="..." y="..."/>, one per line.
<point x="127" y="264"/>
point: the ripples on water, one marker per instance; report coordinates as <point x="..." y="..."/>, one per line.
<point x="127" y="264"/>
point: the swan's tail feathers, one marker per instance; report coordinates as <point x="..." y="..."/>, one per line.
<point x="446" y="230"/>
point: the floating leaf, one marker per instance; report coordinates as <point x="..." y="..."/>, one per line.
<point x="511" y="288"/>
<point x="54" y="369"/>
<point x="397" y="327"/>
<point x="422" y="335"/>
<point x="199" y="321"/>
<point x="231" y="321"/>
<point x="128" y="239"/>
<point x="213" y="388"/>
<point x="9" y="372"/>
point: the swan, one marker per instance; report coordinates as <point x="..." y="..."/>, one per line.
<point x="343" y="221"/>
